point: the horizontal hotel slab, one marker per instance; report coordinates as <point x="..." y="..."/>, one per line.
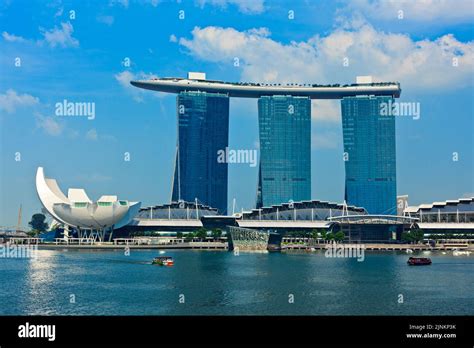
<point x="170" y="85"/>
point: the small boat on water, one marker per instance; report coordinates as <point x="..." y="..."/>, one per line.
<point x="409" y="251"/>
<point x="163" y="261"/>
<point x="419" y="261"/>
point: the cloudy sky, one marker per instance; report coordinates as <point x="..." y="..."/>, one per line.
<point x="89" y="51"/>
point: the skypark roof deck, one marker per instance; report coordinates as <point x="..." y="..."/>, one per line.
<point x="257" y="90"/>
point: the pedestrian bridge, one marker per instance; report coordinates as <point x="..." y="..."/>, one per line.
<point x="164" y="223"/>
<point x="446" y="225"/>
<point x="269" y="224"/>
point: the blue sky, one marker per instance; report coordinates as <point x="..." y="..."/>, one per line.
<point x="81" y="59"/>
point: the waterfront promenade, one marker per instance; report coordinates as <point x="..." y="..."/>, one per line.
<point x="288" y="244"/>
<point x="111" y="246"/>
<point x="122" y="243"/>
<point x="383" y="247"/>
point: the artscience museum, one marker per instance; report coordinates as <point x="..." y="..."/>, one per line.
<point x="77" y="211"/>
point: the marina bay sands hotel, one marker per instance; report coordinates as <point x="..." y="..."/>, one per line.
<point x="284" y="119"/>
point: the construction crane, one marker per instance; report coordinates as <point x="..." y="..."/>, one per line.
<point x="18" y="226"/>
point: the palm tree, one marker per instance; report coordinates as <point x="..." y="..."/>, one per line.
<point x="324" y="235"/>
<point x="339" y="236"/>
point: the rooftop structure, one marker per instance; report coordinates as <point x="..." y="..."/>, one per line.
<point x="304" y="210"/>
<point x="451" y="211"/>
<point x="197" y="82"/>
<point x="176" y="211"/>
<point x="449" y="205"/>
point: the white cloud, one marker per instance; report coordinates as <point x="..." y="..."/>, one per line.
<point x="12" y="38"/>
<point x="260" y="31"/>
<point x="109" y="20"/>
<point x="325" y="139"/>
<point x="11" y="100"/>
<point x="123" y="3"/>
<point x="244" y="6"/>
<point x="173" y="38"/>
<point x="423" y="64"/>
<point x="48" y="124"/>
<point x="124" y="79"/>
<point x="59" y="12"/>
<point x="154" y="3"/>
<point x="54" y="37"/>
<point x="60" y="36"/>
<point x="441" y="11"/>
<point x="92" y="134"/>
<point x="73" y="133"/>
<point x="326" y="110"/>
<point x="126" y="76"/>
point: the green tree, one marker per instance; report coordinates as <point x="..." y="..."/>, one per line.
<point x="324" y="235"/>
<point x="407" y="237"/>
<point x="32" y="233"/>
<point x="179" y="234"/>
<point x="418" y="234"/>
<point x="339" y="236"/>
<point x="415" y="235"/>
<point x="37" y="224"/>
<point x="329" y="236"/>
<point x="189" y="237"/>
<point x="216" y="233"/>
<point x="201" y="233"/>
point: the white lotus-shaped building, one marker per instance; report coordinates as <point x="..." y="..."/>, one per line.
<point x="77" y="210"/>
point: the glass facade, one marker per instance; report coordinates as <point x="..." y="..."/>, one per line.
<point x="285" y="150"/>
<point x="369" y="154"/>
<point x="203" y="130"/>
